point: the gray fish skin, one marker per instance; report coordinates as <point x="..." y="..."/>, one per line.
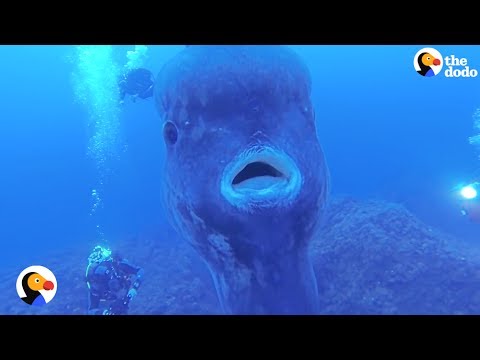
<point x="246" y="178"/>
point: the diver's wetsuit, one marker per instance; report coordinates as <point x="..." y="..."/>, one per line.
<point x="107" y="278"/>
<point x="138" y="83"/>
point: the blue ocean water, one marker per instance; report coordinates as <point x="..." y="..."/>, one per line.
<point x="387" y="134"/>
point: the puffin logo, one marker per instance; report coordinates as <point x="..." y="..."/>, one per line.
<point x="428" y="62"/>
<point x="36" y="285"/>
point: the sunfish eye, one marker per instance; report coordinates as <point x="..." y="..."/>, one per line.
<point x="170" y="133"/>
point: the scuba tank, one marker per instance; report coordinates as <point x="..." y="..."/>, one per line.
<point x="98" y="255"/>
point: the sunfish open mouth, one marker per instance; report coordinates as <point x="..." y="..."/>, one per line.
<point x="257" y="175"/>
<point x="261" y="177"/>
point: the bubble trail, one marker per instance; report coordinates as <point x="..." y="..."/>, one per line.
<point x="95" y="83"/>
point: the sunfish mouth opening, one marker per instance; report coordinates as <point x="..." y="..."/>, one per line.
<point x="258" y="175"/>
<point x="261" y="177"/>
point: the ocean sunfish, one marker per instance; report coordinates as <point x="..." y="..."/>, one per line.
<point x="246" y="179"/>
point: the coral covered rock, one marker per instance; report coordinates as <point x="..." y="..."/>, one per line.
<point x="371" y="257"/>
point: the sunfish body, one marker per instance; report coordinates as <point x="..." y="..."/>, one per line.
<point x="246" y="179"/>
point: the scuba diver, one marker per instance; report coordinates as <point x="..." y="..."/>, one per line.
<point x="137" y="83"/>
<point x="471" y="202"/>
<point x="111" y="278"/>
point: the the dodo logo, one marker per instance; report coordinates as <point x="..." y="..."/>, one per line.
<point x="36" y="285"/>
<point x="428" y="62"/>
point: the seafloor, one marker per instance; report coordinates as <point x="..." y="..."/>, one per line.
<point x="371" y="258"/>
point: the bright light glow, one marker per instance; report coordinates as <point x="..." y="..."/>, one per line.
<point x="469" y="192"/>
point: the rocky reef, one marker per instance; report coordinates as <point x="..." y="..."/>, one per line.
<point x="371" y="257"/>
<point x="378" y="258"/>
